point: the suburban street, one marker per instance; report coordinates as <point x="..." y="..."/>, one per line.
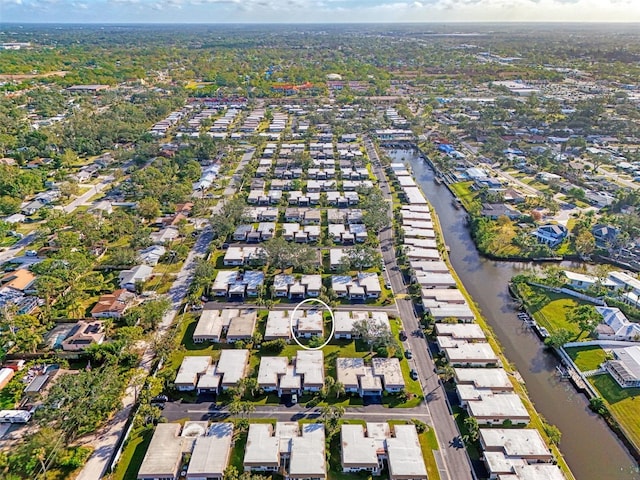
<point x="210" y="410"/>
<point x="455" y="460"/>
<point x="92" y="191"/>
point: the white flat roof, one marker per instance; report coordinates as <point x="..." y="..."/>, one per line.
<point x="311" y="322"/>
<point x="421" y="242"/>
<point x="494" y="378"/>
<point x="212" y="322"/>
<point x="348" y="370"/>
<point x="422" y="253"/>
<point x="405" y="454"/>
<point x="232" y="365"/>
<point x="270" y="368"/>
<point x="444" y="295"/>
<point x="540" y="471"/>
<point x="467" y="331"/>
<point x="437" y="266"/>
<point x="210" y="456"/>
<point x="164" y="453"/>
<point x="190" y="368"/>
<point x="242" y="325"/>
<point x="435" y="279"/>
<point x="308" y="458"/>
<point x="357" y="449"/>
<point x="454" y="310"/>
<point x="526" y="442"/>
<point x="278" y="325"/>
<point x="469" y="352"/>
<point x="262" y="447"/>
<point x="502" y="405"/>
<point x="344" y="320"/>
<point x="390" y="371"/>
<point x="415" y="196"/>
<point x="415" y="232"/>
<point x="310" y="363"/>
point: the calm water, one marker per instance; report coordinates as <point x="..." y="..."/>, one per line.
<point x="592" y="451"/>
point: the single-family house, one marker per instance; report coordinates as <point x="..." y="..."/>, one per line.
<point x="151" y="255"/>
<point x="616" y="326"/>
<point x="112" y="305"/>
<point x="164" y="236"/>
<point x="21" y="280"/>
<point x="625" y="366"/>
<point x="605" y="235"/>
<point x="82" y="335"/>
<point x="551" y="235"/>
<point x="135" y="276"/>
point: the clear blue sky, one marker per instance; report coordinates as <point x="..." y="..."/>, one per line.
<point x="317" y="11"/>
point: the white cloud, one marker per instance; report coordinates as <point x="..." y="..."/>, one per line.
<point x="318" y="11"/>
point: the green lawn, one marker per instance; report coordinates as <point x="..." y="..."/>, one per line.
<point x="472" y="448"/>
<point x="237" y="452"/>
<point x="429" y="443"/>
<point x="552" y="313"/>
<point x="587" y="358"/>
<point x="7" y="400"/>
<point x="412" y="386"/>
<point x="186" y="328"/>
<point x="624" y="404"/>
<point x="463" y="192"/>
<point x="133" y="454"/>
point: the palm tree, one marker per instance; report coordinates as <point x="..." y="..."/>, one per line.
<point x="338" y="389"/>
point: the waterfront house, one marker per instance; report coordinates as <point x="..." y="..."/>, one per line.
<point x="551" y="234"/>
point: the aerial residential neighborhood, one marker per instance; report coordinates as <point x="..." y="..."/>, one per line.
<point x="319" y="253"/>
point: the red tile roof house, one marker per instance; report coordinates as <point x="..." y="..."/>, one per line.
<point x="112" y="305"/>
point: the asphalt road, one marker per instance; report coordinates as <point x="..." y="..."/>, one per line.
<point x="456" y="460"/>
<point x="13" y="251"/>
<point x="174" y="411"/>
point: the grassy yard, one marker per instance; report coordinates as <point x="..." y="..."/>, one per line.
<point x="7" y="400"/>
<point x="472" y="448"/>
<point x="588" y="357"/>
<point x="552" y="313"/>
<point x="429" y="443"/>
<point x="185" y="334"/>
<point x="133" y="454"/>
<point x="624" y="404"/>
<point x="464" y="193"/>
<point x="237" y="452"/>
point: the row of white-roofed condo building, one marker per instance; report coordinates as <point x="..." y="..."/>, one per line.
<point x="305" y="373"/>
<point x="198" y="450"/>
<point x="484" y="388"/>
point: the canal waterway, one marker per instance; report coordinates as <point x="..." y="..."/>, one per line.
<point x="592" y="451"/>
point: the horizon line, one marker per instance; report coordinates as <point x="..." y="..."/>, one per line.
<point x="435" y="22"/>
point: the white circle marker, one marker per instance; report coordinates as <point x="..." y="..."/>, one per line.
<point x="293" y="315"/>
